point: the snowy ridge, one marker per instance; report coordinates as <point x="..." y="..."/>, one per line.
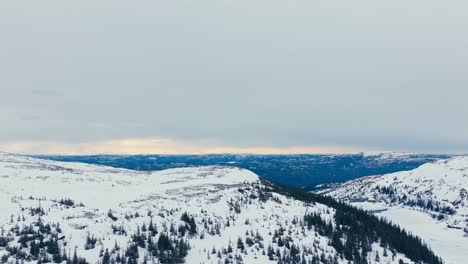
<point x="56" y="211"/>
<point x="444" y="181"/>
<point x="106" y="187"/>
<point x="431" y="200"/>
<point x="387" y="154"/>
<point x="28" y="176"/>
<point x="392" y="156"/>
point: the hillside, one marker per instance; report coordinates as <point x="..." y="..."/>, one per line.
<point x="78" y="213"/>
<point x="431" y="201"/>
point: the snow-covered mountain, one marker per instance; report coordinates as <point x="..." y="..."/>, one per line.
<point x="431" y="201"/>
<point x="392" y="156"/>
<point x="78" y="213"/>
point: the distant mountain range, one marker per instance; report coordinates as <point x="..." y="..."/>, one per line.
<point x="430" y="201"/>
<point x="302" y="171"/>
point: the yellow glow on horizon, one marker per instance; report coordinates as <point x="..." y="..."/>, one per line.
<point x="134" y="146"/>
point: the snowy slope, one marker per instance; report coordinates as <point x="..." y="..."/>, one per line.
<point x="392" y="156"/>
<point x="105" y="215"/>
<point x="431" y="201"/>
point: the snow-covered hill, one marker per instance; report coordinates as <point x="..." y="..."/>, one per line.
<point x="56" y="211"/>
<point x="431" y="201"/>
<point x="392" y="156"/>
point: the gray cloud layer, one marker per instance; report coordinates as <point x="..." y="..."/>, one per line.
<point x="367" y="74"/>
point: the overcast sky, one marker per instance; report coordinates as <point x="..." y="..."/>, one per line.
<point x="233" y="76"/>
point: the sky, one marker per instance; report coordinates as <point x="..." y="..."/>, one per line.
<point x="224" y="76"/>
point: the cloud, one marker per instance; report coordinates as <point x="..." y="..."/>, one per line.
<point x="44" y="92"/>
<point x="30" y="118"/>
<point x="156" y="146"/>
<point x="390" y="75"/>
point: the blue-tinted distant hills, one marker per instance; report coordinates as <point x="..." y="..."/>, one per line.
<point x="303" y="171"/>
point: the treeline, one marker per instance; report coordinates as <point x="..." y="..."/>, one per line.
<point x="166" y="246"/>
<point x="425" y="203"/>
<point x="359" y="229"/>
<point x="39" y="242"/>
